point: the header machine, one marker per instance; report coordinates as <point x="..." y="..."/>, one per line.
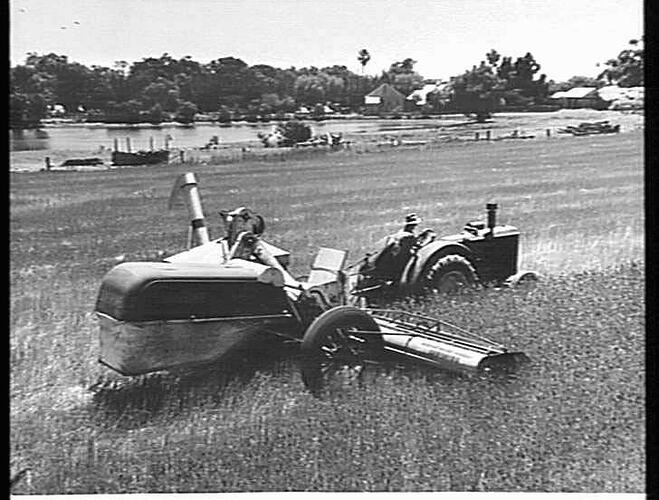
<point x="197" y="305"/>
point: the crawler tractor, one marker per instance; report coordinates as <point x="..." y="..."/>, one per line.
<point x="196" y="306"/>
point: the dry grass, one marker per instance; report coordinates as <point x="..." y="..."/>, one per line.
<point x="572" y="423"/>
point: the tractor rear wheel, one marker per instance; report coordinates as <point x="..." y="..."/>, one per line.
<point x="336" y="348"/>
<point x="450" y="274"/>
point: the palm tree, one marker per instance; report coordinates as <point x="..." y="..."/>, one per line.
<point x="363" y="57"/>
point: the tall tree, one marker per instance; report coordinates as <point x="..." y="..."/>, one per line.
<point x="31" y="89"/>
<point x="498" y="81"/>
<point x="26" y="110"/>
<point x="233" y="81"/>
<point x="402" y="67"/>
<point x="402" y="76"/>
<point x="522" y="79"/>
<point x="493" y="57"/>
<point x="68" y="83"/>
<point x="157" y="86"/>
<point x="477" y="91"/>
<point x="626" y="70"/>
<point x="162" y="92"/>
<point x="363" y="57"/>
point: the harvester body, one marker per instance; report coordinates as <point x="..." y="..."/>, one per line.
<point x="158" y="315"/>
<point x="196" y="306"/>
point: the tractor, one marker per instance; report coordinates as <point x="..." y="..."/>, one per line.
<point x="196" y="306"/>
<point x="483" y="253"/>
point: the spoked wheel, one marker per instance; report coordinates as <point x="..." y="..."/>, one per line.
<point x="451" y="274"/>
<point x="336" y="349"/>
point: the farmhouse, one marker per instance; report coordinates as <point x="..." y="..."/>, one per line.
<point x="385" y="98"/>
<point x="579" y="97"/>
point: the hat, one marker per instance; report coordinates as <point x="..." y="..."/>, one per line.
<point x="412" y="219"/>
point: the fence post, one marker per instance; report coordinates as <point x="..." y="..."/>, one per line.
<point x="48" y="163"/>
<point x="116" y="144"/>
<point x="476" y="137"/>
<point x="548" y="132"/>
<point x="151" y="143"/>
<point x="182" y="156"/>
<point x="128" y="145"/>
<point x="488" y="135"/>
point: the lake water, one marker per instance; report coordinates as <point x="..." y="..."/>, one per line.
<point x="89" y="137"/>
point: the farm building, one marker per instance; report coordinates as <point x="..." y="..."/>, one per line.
<point x="303" y="111"/>
<point x="385" y="98"/>
<point x="328" y="110"/>
<point x="579" y="97"/>
<point x="419" y="97"/>
<point x="623" y="97"/>
<point x="56" y="110"/>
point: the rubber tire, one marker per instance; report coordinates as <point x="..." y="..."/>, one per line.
<point x="453" y="265"/>
<point x="522" y="280"/>
<point x="319" y="334"/>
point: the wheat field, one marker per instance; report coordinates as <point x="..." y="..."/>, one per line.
<point x="573" y="421"/>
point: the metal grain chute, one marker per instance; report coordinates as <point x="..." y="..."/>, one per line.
<point x="186" y="187"/>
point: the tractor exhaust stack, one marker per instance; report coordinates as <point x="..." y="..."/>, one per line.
<point x="491" y="217"/>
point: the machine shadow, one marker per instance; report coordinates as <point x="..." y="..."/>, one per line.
<point x="134" y="402"/>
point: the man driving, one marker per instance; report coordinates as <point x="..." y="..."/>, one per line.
<point x="391" y="260"/>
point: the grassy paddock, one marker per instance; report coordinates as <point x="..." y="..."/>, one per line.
<point x="574" y="422"/>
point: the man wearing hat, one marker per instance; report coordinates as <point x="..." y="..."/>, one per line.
<point x="411" y="222"/>
<point x="391" y="260"/>
<point x="402" y="242"/>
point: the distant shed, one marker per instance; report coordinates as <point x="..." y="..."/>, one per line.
<point x="579" y="97"/>
<point x="385" y="99"/>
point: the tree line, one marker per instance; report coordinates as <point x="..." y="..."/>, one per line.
<point x="498" y="81"/>
<point x="164" y="88"/>
<point x="155" y="89"/>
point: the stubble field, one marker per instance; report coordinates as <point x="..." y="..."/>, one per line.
<point x="573" y="420"/>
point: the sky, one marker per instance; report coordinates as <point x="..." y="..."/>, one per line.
<point x="445" y="37"/>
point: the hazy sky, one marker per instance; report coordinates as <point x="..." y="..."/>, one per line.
<point x="445" y="37"/>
